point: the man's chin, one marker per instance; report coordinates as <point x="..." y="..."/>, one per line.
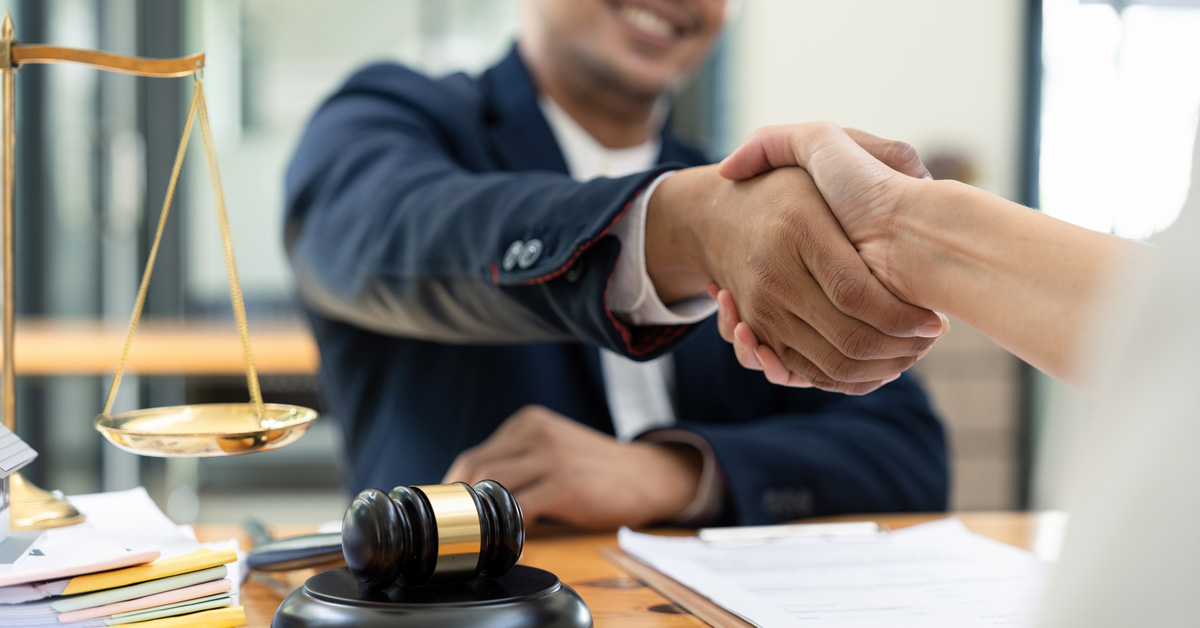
<point x="646" y="81"/>
<point x="631" y="73"/>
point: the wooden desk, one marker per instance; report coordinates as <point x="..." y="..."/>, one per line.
<point x="90" y="347"/>
<point x="615" y="599"/>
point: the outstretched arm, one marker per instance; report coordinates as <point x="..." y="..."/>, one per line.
<point x="399" y="222"/>
<point x="1026" y="280"/>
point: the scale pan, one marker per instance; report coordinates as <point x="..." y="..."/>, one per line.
<point x="206" y="430"/>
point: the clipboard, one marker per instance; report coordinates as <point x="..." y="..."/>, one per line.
<point x="703" y="608"/>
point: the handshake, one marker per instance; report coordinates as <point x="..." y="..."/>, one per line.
<point x="800" y="237"/>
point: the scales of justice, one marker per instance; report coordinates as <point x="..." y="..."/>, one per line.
<point x="431" y="556"/>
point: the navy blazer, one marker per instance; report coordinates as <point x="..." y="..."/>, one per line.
<point x="403" y="197"/>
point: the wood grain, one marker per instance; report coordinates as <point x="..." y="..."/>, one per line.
<point x="616" y="599"/>
<point x="89" y="347"/>
<point x="687" y="599"/>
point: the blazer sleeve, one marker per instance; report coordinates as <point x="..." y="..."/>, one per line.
<point x="395" y="224"/>
<point x="882" y="452"/>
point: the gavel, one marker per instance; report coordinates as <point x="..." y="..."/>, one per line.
<point x="436" y="534"/>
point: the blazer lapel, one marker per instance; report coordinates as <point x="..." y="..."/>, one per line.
<point x="520" y="137"/>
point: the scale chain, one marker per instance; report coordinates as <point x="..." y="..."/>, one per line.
<point x="198" y="109"/>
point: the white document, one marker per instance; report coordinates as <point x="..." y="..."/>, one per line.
<point x="118" y="524"/>
<point x="131" y="517"/>
<point x="929" y="576"/>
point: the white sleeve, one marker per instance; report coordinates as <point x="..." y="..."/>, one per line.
<point x="632" y="297"/>
<point x="709" y="501"/>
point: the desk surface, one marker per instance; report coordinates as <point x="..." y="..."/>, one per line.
<point x="615" y="599"/>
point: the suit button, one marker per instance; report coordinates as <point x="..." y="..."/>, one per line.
<point x="575" y="272"/>
<point x="511" y="255"/>
<point x="529" y="255"/>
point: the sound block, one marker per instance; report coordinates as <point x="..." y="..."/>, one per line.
<point x="525" y="596"/>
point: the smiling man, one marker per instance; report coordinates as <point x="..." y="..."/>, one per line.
<point x="507" y="274"/>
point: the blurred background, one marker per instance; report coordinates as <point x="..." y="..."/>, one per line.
<point x="1085" y="109"/>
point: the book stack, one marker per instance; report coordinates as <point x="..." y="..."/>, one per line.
<point x="105" y="572"/>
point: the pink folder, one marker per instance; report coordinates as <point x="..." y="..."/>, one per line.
<point x="150" y="601"/>
<point x="126" y="559"/>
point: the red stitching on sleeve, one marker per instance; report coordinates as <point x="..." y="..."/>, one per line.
<point x="495" y="275"/>
<point x="640" y="341"/>
<point x="586" y="245"/>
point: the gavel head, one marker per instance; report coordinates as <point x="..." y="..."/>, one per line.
<point x="418" y="535"/>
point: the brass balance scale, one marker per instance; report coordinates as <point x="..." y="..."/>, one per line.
<point x="197" y="430"/>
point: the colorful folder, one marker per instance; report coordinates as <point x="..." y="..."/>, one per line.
<point x="142" y="589"/>
<point x="172" y="611"/>
<point x="231" y="617"/>
<point x="157" y="600"/>
<point x="195" y="561"/>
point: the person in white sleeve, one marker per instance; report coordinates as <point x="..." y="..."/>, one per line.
<point x="1116" y="318"/>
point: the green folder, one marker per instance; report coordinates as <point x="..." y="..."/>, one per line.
<point x="165" y="611"/>
<point x="208" y="598"/>
<point x="133" y="591"/>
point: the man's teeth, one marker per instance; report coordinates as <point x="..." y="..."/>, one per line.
<point x="647" y="21"/>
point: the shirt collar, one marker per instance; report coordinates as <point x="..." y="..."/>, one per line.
<point x="586" y="157"/>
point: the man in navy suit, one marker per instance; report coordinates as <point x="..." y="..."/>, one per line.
<point x="506" y="276"/>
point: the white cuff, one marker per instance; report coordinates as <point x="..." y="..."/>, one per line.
<point x="709" y="501"/>
<point x="632" y="297"/>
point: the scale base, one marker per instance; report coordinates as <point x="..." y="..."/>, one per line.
<point x="33" y="508"/>
<point x="524" y="597"/>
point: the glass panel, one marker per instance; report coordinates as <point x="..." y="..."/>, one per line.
<point x="1121" y="97"/>
<point x="270" y="64"/>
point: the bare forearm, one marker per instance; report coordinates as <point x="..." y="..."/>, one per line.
<point x="672" y="253"/>
<point x="1028" y="281"/>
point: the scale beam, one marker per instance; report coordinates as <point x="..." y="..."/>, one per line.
<point x="139" y="66"/>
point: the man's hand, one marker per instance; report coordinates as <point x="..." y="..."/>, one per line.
<point x="859" y="175"/>
<point x="864" y="178"/>
<point x="561" y="470"/>
<point x="774" y="244"/>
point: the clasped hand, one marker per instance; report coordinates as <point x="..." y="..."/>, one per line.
<point x="562" y="470"/>
<point x="797" y="257"/>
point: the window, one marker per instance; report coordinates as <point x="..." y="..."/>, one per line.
<point x="1121" y="98"/>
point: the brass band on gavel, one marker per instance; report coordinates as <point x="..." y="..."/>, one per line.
<point x="434" y="534"/>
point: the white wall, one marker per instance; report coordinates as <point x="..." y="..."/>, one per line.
<point x="294" y="60"/>
<point x="944" y="75"/>
<point x="935" y="73"/>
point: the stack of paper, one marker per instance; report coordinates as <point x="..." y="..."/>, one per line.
<point x="128" y="564"/>
<point x="936" y="575"/>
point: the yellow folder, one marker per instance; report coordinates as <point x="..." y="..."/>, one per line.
<point x="187" y="563"/>
<point x="230" y="617"/>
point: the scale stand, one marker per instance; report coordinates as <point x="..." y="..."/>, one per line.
<point x="181" y="431"/>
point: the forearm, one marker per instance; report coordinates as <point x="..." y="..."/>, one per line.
<point x="673" y="257"/>
<point x="1028" y="281"/>
<point x="433" y="259"/>
<point x="398" y="223"/>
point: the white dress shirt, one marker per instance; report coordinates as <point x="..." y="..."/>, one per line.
<point x="638" y="393"/>
<point x="1132" y="553"/>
